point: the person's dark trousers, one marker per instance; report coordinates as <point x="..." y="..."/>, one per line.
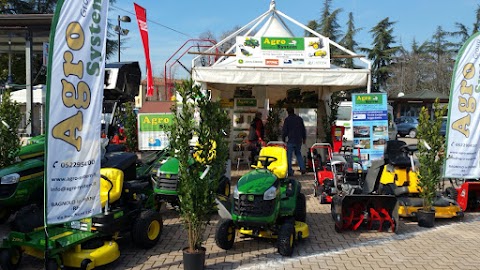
<point x="295" y="148"/>
<point x="254" y="151"/>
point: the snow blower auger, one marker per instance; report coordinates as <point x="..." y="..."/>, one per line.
<point x="368" y="212"/>
<point x="358" y="206"/>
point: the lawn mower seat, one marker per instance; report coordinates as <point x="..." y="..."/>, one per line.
<point x="394" y="154"/>
<point x="280" y="166"/>
<point x="116" y="177"/>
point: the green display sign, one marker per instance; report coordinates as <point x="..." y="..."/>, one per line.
<point x="283" y="44"/>
<point x="246" y="102"/>
<point x="369" y="99"/>
<point x="154" y="122"/>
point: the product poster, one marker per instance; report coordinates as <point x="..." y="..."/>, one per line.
<point x="151" y="130"/>
<point x="370" y="126"/>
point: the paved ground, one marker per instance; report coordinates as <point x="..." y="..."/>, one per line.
<point x="451" y="244"/>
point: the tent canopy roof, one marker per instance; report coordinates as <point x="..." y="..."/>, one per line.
<point x="224" y="69"/>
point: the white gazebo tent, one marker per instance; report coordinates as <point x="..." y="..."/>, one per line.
<point x="38" y="103"/>
<point x="223" y="75"/>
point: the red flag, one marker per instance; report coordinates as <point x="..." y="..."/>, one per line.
<point x="142" y="25"/>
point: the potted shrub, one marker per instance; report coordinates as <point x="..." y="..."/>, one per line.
<point x="196" y="117"/>
<point x="430" y="156"/>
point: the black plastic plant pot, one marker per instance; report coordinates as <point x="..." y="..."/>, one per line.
<point x="194" y="260"/>
<point x="426" y="218"/>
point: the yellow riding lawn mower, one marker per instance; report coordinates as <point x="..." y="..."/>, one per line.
<point x="397" y="175"/>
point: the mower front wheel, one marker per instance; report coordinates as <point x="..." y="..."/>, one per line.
<point x="147" y="229"/>
<point x="225" y="234"/>
<point x="10" y="258"/>
<point x="286" y="239"/>
<point x="4" y="214"/>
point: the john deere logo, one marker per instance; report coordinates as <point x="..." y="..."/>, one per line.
<point x="168" y="176"/>
<point x="250" y="198"/>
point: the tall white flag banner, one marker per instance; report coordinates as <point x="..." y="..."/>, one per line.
<point x="463" y="134"/>
<point x="74" y="105"/>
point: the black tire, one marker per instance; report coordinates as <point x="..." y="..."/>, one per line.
<point x="451" y="193"/>
<point x="412" y="133"/>
<point x="4" y="214"/>
<point x="84" y="264"/>
<point x="286" y="239"/>
<point x="323" y="199"/>
<point x="316" y="192"/>
<point x="225" y="234"/>
<point x="10" y="259"/>
<point x="301" y="208"/>
<point x="52" y="265"/>
<point x="27" y="219"/>
<point x="337" y="228"/>
<point x="147" y="229"/>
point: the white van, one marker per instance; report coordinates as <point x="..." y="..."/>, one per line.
<point x="344" y="119"/>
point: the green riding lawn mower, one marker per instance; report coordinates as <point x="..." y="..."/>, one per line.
<point x="265" y="203"/>
<point x="165" y="181"/>
<point x="128" y="206"/>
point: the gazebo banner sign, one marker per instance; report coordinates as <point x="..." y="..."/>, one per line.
<point x="295" y="52"/>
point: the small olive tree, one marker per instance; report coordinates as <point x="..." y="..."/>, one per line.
<point x="430" y="153"/>
<point x="10" y="118"/>
<point x="197" y="116"/>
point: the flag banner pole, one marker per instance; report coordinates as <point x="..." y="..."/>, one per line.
<point x="463" y="136"/>
<point x="75" y="80"/>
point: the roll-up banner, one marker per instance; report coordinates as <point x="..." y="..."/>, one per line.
<point x="76" y="65"/>
<point x="463" y="134"/>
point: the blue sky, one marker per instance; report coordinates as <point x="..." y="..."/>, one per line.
<point x="417" y="19"/>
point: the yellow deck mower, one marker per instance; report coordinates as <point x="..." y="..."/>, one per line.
<point x="397" y="175"/>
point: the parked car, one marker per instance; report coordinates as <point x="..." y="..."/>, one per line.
<point x="443" y="128"/>
<point x="407" y="125"/>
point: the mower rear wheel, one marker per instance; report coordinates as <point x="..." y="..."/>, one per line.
<point x="27" y="219"/>
<point x="225" y="234"/>
<point x="52" y="265"/>
<point x="147" y="229"/>
<point x="338" y="229"/>
<point x="286" y="239"/>
<point x="301" y="208"/>
<point x="10" y="258"/>
<point x="84" y="265"/>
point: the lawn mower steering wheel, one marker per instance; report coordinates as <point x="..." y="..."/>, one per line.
<point x="266" y="160"/>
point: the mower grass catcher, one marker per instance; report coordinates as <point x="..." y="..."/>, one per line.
<point x="264" y="204"/>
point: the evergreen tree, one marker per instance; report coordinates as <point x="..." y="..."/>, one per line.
<point x="348" y="40"/>
<point x="382" y="53"/>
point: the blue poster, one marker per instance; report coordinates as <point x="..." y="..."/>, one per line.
<point x="370" y="126"/>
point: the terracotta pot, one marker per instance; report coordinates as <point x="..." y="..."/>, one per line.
<point x="426" y="218"/>
<point x="195" y="260"/>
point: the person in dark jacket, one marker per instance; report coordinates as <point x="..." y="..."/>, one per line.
<point x="256" y="136"/>
<point x="294" y="130"/>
